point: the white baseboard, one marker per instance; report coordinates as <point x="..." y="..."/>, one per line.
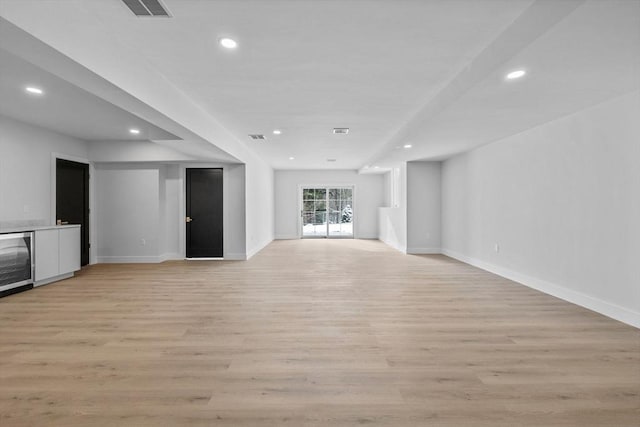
<point x="156" y="259"/>
<point x="605" y="308"/>
<point x="286" y="237"/>
<point x="424" y="251"/>
<point x="296" y="237"/>
<point x="164" y="257"/>
<point x="170" y="257"/>
<point x="394" y="245"/>
<point x="130" y="259"/>
<point x="365" y="236"/>
<point x="258" y="248"/>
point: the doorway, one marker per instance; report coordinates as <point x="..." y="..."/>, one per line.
<point x="327" y="212"/>
<point x="72" y="200"/>
<point x="204" y="220"/>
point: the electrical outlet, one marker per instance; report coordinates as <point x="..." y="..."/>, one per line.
<point x="143" y="242"/>
<point x="496" y="247"/>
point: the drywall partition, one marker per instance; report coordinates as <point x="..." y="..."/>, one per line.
<point x="392" y="228"/>
<point x="392" y="219"/>
<point x="234" y="211"/>
<point x="368" y="197"/>
<point x="387" y="189"/>
<point x="556" y="208"/>
<point x="423" y="207"/>
<point x="259" y="206"/>
<point x="170" y="187"/>
<point x="26" y="153"/>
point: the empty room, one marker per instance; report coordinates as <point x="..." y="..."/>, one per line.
<point x="316" y="213"/>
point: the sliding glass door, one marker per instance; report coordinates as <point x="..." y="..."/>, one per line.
<point x="314" y="212"/>
<point x="327" y="212"/>
<point x="340" y="208"/>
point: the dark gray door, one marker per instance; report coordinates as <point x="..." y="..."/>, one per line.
<point x="204" y="213"/>
<point x="72" y="200"/>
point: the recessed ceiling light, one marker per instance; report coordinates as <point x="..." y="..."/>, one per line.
<point x="292" y="158"/>
<point x="277" y="132"/>
<point x="228" y="43"/>
<point x="134" y="131"/>
<point x="34" y="90"/>
<point x="376" y="167"/>
<point x="407" y="145"/>
<point x="341" y="131"/>
<point x="516" y="74"/>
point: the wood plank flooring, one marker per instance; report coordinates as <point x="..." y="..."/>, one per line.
<point x="310" y="333"/>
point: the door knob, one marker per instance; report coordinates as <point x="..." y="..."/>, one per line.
<point x="188" y="219"/>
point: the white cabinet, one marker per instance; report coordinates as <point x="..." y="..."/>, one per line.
<point x="46" y="254"/>
<point x="69" y="250"/>
<point x="57" y="253"/>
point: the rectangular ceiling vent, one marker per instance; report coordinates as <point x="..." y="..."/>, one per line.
<point x="147" y="8"/>
<point x="341" y="131"/>
<point x="257" y="137"/>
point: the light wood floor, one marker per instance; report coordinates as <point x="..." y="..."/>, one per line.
<point x="310" y="333"/>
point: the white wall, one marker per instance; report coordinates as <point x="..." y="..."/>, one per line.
<point x="170" y="187"/>
<point x="259" y="206"/>
<point x="26" y="154"/>
<point x="387" y="183"/>
<point x="234" y="211"/>
<point x="423" y="207"/>
<point x="368" y="197"/>
<point x="392" y="217"/>
<point x="128" y="204"/>
<point x="141" y="210"/>
<point x="392" y="227"/>
<point x="562" y="201"/>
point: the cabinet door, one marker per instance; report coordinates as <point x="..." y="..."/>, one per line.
<point x="69" y="249"/>
<point x="46" y="254"/>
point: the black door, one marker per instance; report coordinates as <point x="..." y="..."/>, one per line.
<point x="204" y="213"/>
<point x="72" y="200"/>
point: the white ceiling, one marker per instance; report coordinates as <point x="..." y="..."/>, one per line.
<point x="64" y="107"/>
<point x="427" y="73"/>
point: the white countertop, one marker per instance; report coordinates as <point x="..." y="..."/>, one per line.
<point x="35" y="228"/>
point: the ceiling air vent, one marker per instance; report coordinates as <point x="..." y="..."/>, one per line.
<point x="146" y="7"/>
<point x="341" y="131"/>
<point x="258" y="137"/>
